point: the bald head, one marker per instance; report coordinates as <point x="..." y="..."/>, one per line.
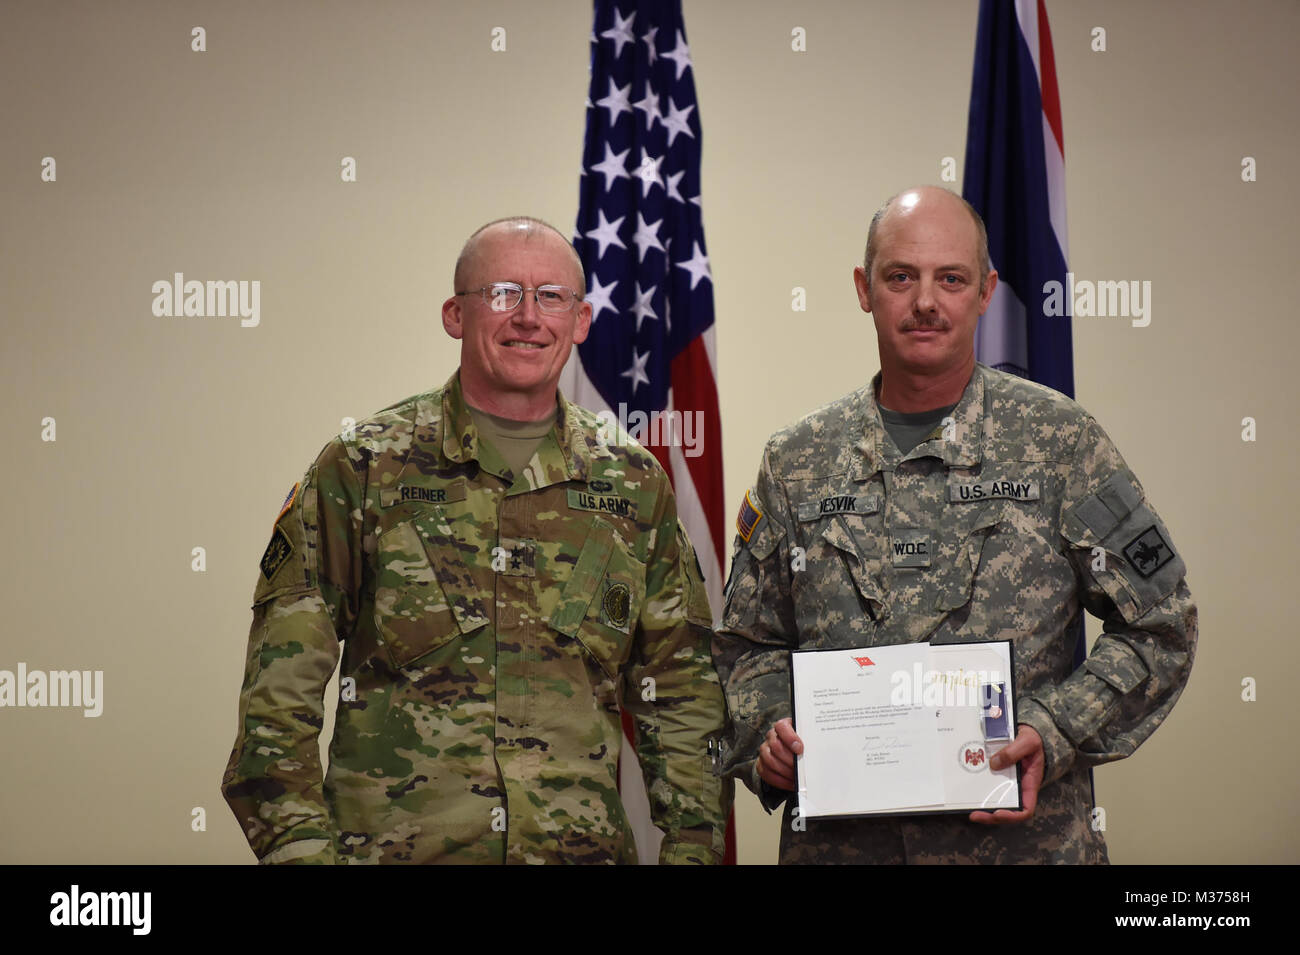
<point x="522" y="227"/>
<point x="910" y="199"/>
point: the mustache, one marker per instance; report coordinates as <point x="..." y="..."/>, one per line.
<point x="927" y="323"/>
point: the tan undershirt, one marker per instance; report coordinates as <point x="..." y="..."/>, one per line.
<point x="515" y="441"/>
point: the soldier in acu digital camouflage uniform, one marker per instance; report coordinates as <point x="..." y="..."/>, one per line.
<point x="500" y="577"/>
<point x="947" y="502"/>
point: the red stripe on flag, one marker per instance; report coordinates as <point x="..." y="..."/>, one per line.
<point x="1047" y="66"/>
<point x="695" y="390"/>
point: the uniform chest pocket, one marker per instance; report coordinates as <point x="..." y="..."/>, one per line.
<point x="862" y="550"/>
<point x="602" y="601"/>
<point x="977" y="523"/>
<point x="424" y="595"/>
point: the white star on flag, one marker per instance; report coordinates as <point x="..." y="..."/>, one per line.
<point x="680" y="54"/>
<point x="606" y="233"/>
<point x="642" y="306"/>
<point x="670" y="184"/>
<point x="612" y="166"/>
<point x="601" y="297"/>
<point x="646" y="237"/>
<point x="636" y="371"/>
<point x="649" y="40"/>
<point x="617" y="101"/>
<point x="649" y="104"/>
<point x="648" y="173"/>
<point x="675" y="121"/>
<point x="620" y="32"/>
<point x="698" y="266"/>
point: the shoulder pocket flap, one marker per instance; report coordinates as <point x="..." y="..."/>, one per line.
<point x="1139" y="567"/>
<point x="1096" y="515"/>
<point x="585" y="582"/>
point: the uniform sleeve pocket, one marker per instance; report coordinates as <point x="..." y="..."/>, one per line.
<point x="1130" y="553"/>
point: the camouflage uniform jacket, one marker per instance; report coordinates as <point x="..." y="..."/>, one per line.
<point x="1027" y="513"/>
<point x="491" y="625"/>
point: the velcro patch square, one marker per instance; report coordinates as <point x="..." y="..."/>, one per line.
<point x="515" y="557"/>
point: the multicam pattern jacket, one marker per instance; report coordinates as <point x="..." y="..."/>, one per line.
<point x="490" y="626"/>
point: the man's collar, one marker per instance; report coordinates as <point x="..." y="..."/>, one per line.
<point x="459" y="436"/>
<point x="959" y="445"/>
<point x="567" y="458"/>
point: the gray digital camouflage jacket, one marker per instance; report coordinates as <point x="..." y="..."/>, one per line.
<point x="1002" y="524"/>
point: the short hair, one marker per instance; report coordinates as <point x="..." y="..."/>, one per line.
<point x="981" y="246"/>
<point x="530" y="226"/>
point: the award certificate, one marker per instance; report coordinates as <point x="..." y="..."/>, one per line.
<point x="906" y="729"/>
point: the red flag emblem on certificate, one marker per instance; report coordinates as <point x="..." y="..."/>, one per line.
<point x="864" y="661"/>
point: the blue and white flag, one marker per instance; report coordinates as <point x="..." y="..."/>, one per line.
<point x="1015" y="178"/>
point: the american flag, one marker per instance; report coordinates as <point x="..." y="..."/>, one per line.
<point x="641" y="238"/>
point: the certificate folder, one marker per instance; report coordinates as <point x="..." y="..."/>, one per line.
<point x="904" y="730"/>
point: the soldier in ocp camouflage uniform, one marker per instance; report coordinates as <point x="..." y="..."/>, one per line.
<point x="492" y="618"/>
<point x="1005" y="512"/>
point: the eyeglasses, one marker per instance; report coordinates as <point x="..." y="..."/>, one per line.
<point x="506" y="296"/>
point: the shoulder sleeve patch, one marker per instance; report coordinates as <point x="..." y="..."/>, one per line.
<point x="276" y="553"/>
<point x="288" y="500"/>
<point x="748" y="517"/>
<point x="1148" y="551"/>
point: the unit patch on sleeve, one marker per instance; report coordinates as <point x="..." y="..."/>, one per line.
<point x="277" y="552"/>
<point x="1148" y="552"/>
<point x="748" y="517"/>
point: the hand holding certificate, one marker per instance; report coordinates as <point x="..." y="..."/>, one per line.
<point x="906" y="729"/>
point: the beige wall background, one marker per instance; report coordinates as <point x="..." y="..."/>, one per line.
<point x="177" y="433"/>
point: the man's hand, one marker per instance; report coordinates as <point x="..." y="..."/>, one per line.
<point x="776" y="756"/>
<point x="1027" y="747"/>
